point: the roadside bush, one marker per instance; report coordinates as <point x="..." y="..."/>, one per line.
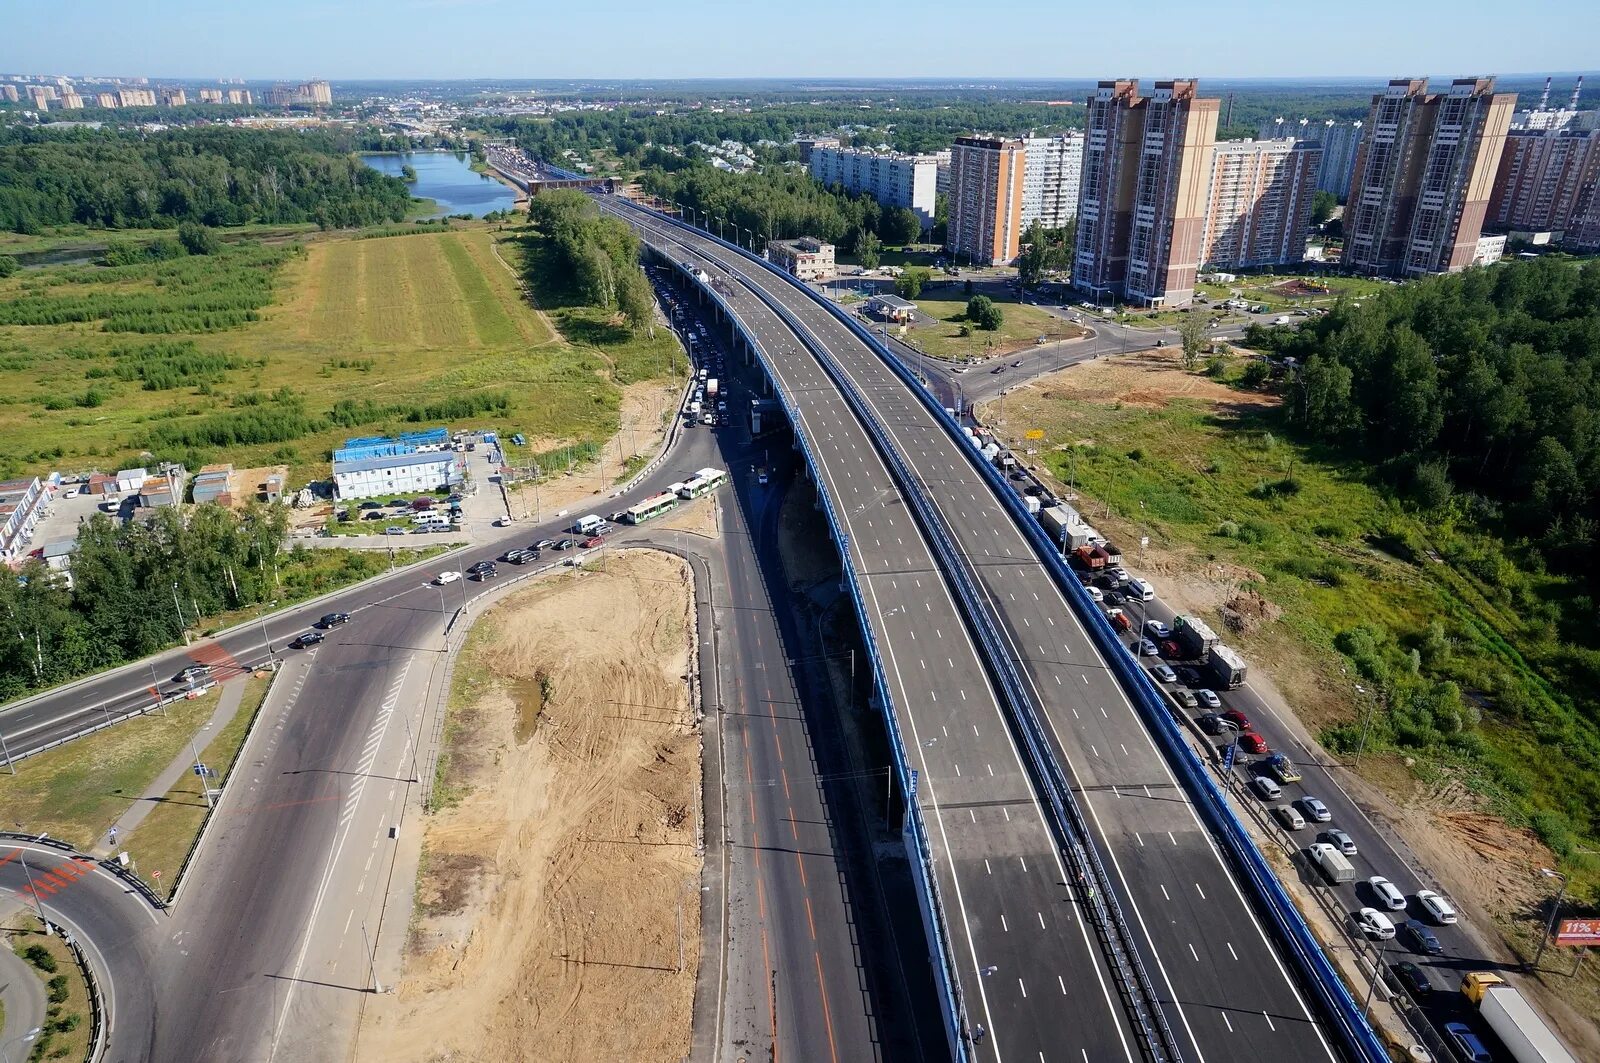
<point x="40" y="957"/>
<point x="58" y="989"/>
<point x="1255" y="374"/>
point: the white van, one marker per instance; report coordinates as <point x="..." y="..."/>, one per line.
<point x="431" y="519"/>
<point x="587" y="525"/>
<point x="1140" y="590"/>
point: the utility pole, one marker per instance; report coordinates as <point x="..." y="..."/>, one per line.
<point x="200" y="770"/>
<point x="179" y="610"/>
<point x="1550" y="924"/>
<point x="7" y="754"/>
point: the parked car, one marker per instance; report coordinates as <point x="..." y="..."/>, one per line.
<point x="1413" y="978"/>
<point x="1388" y="893"/>
<point x="375" y="515"/>
<point x="1251" y="742"/>
<point x="1339" y="840"/>
<point x="421" y="504"/>
<point x="333" y="620"/>
<point x="1374" y="924"/>
<point x="1209" y="699"/>
<point x="370" y="505"/>
<point x="1439" y="910"/>
<point x="306" y="638"/>
<point x="447" y="577"/>
<point x="398" y="503"/>
<point x="1419" y="938"/>
<point x="394" y="529"/>
<point x="566" y="544"/>
<point x="1466" y="1043"/>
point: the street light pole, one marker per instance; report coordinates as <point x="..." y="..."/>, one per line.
<point x="179" y="610"/>
<point x="26" y="1038"/>
<point x="372" y="959"/>
<point x="1550" y="924"/>
<point x="200" y="770"/>
<point x="27" y="873"/>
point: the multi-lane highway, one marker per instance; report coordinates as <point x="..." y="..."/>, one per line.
<point x="1036" y="984"/>
<point x="1222" y="984"/>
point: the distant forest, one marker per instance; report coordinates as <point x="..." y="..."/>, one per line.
<point x="211" y="176"/>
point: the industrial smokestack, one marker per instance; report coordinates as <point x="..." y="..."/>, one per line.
<point x="1544" y="100"/>
<point x="1575" y="90"/>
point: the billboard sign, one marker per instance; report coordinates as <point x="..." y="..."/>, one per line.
<point x="1578" y="932"/>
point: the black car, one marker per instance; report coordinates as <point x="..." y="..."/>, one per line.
<point x="370" y="505"/>
<point x="193" y="674"/>
<point x="481" y="566"/>
<point x="544" y="544"/>
<point x="1212" y="724"/>
<point x="398" y="503"/>
<point x="374" y="515"/>
<point x="306" y="638"/>
<point x="566" y="544"/>
<point x="1414" y="978"/>
<point x="333" y="620"/>
<point x="1420" y="938"/>
<point x="1115" y="598"/>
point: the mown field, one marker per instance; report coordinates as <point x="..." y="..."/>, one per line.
<point x="258" y="354"/>
<point x="1021" y="328"/>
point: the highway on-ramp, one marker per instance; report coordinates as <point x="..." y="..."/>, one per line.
<point x="1226" y="993"/>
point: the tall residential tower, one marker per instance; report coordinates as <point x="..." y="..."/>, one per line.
<point x="1142" y="199"/>
<point x="986" y="199"/>
<point x="1423" y="177"/>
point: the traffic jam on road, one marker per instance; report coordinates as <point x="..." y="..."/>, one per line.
<point x="1387" y="908"/>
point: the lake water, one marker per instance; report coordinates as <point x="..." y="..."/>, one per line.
<point x="447" y="179"/>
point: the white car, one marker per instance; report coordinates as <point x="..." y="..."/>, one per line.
<point x="72" y="492"/>
<point x="1155" y="629"/>
<point x="1209" y="699"/>
<point x="1095" y="594"/>
<point x="446" y="577"/>
<point x="1374" y="924"/>
<point x="1439" y="910"/>
<point x="1266" y="788"/>
<point x="1388" y="893"/>
<point x="1164" y="673"/>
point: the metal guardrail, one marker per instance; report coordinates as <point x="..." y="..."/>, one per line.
<point x="955" y="1007"/>
<point x="1314" y="966"/>
<point x="1127" y="969"/>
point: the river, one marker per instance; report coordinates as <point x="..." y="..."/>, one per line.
<point x="448" y="180"/>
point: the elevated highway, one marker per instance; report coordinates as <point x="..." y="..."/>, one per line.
<point x="1224" y="990"/>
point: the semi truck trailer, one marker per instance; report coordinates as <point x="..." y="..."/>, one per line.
<point x="1513" y="1019"/>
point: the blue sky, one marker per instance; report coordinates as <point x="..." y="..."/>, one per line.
<point x="795" y="38"/>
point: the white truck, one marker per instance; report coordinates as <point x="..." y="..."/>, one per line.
<point x="711" y="387"/>
<point x="1510" y="1016"/>
<point x="1227" y="668"/>
<point x="587" y="525"/>
<point x="1335" y="866"/>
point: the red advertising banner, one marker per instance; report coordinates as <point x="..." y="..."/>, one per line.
<point x="1578" y="932"/>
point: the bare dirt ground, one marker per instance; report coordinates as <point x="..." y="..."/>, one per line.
<point x="699" y="517"/>
<point x="1151" y="378"/>
<point x="643" y="425"/>
<point x="557" y="907"/>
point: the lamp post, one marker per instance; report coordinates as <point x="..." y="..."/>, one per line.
<point x="179" y="610"/>
<point x="1550" y="924"/>
<point x="26" y="1038"/>
<point x="27" y="873"/>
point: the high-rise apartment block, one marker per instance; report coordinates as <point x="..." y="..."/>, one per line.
<point x="1339" y="141"/>
<point x="174" y="98"/>
<point x="308" y="93"/>
<point x="240" y="96"/>
<point x="71" y="101"/>
<point x="209" y="95"/>
<point x="1258" y="204"/>
<point x="135" y="98"/>
<point x="107" y="100"/>
<point x="1141" y="207"/>
<point x="1051" y="171"/>
<point x="893" y="180"/>
<point x="1423" y="177"/>
<point x="1547" y="178"/>
<point x="986" y="175"/>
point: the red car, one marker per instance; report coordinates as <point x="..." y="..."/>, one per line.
<point x="593" y="541"/>
<point x="1251" y="742"/>
<point x="422" y="504"/>
<point x="1239" y="719"/>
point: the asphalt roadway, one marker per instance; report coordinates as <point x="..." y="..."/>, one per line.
<point x="1225" y="991"/>
<point x="1035" y="984"/>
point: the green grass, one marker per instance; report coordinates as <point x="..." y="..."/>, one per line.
<point x="1020" y="330"/>
<point x="161" y="842"/>
<point x="67" y="1017"/>
<point x="76" y="791"/>
<point x="391" y="323"/>
<point x="1227" y="486"/>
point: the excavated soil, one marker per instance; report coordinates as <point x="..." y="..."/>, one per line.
<point x="557" y="908"/>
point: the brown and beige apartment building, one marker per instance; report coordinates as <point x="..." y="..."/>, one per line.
<point x="986" y="190"/>
<point x="1142" y="198"/>
<point x="1424" y="175"/>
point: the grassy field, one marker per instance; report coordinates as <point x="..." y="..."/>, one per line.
<point x="1238" y="511"/>
<point x="390" y="325"/>
<point x="67" y="1013"/>
<point x="76" y="791"/>
<point x="163" y="840"/>
<point x="1020" y="330"/>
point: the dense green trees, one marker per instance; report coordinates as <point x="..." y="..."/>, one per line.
<point x="909" y="284"/>
<point x="1043" y="249"/>
<point x="121" y="603"/>
<point x="598" y="252"/>
<point x="982" y="312"/>
<point x="1492" y="375"/>
<point x="213" y="175"/>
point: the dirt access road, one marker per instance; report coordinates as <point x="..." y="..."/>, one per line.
<point x="557" y="886"/>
